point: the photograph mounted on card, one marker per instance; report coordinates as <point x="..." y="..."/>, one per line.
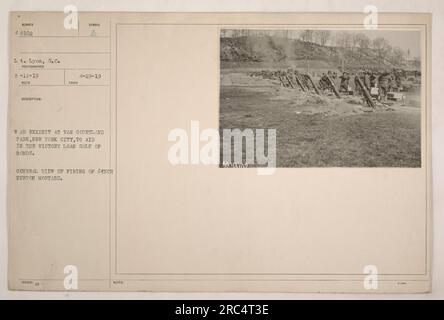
<point x="235" y="152"/>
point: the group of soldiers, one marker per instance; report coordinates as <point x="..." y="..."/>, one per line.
<point x="386" y="81"/>
<point x="383" y="81"/>
<point x="324" y="81"/>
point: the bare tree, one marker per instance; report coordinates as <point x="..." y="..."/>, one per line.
<point x="322" y="36"/>
<point x="343" y="40"/>
<point x="354" y="40"/>
<point x="235" y="33"/>
<point x="382" y="47"/>
<point x="363" y="41"/>
<point x="307" y="35"/>
<point x="285" y="34"/>
<point x="244" y="32"/>
<point x="397" y="56"/>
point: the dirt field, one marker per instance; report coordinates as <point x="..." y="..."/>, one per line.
<point x="323" y="131"/>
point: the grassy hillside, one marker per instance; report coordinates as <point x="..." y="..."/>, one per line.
<point x="263" y="51"/>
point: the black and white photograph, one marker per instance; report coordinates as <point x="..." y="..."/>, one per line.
<point x="336" y="98"/>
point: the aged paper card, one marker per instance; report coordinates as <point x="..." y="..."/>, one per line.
<point x="219" y="152"/>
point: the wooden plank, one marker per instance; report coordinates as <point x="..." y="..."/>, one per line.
<point x="299" y="82"/>
<point x="367" y="95"/>
<point x="332" y="85"/>
<point x="312" y="83"/>
<point x="289" y="81"/>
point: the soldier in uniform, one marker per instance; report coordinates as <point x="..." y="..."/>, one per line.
<point x="397" y="79"/>
<point x="359" y="75"/>
<point x="367" y="79"/>
<point x="345" y="78"/>
<point x="322" y="82"/>
<point x="357" y="87"/>
<point x="384" y="80"/>
<point x="373" y="80"/>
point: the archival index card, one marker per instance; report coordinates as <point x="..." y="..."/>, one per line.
<point x="258" y="152"/>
